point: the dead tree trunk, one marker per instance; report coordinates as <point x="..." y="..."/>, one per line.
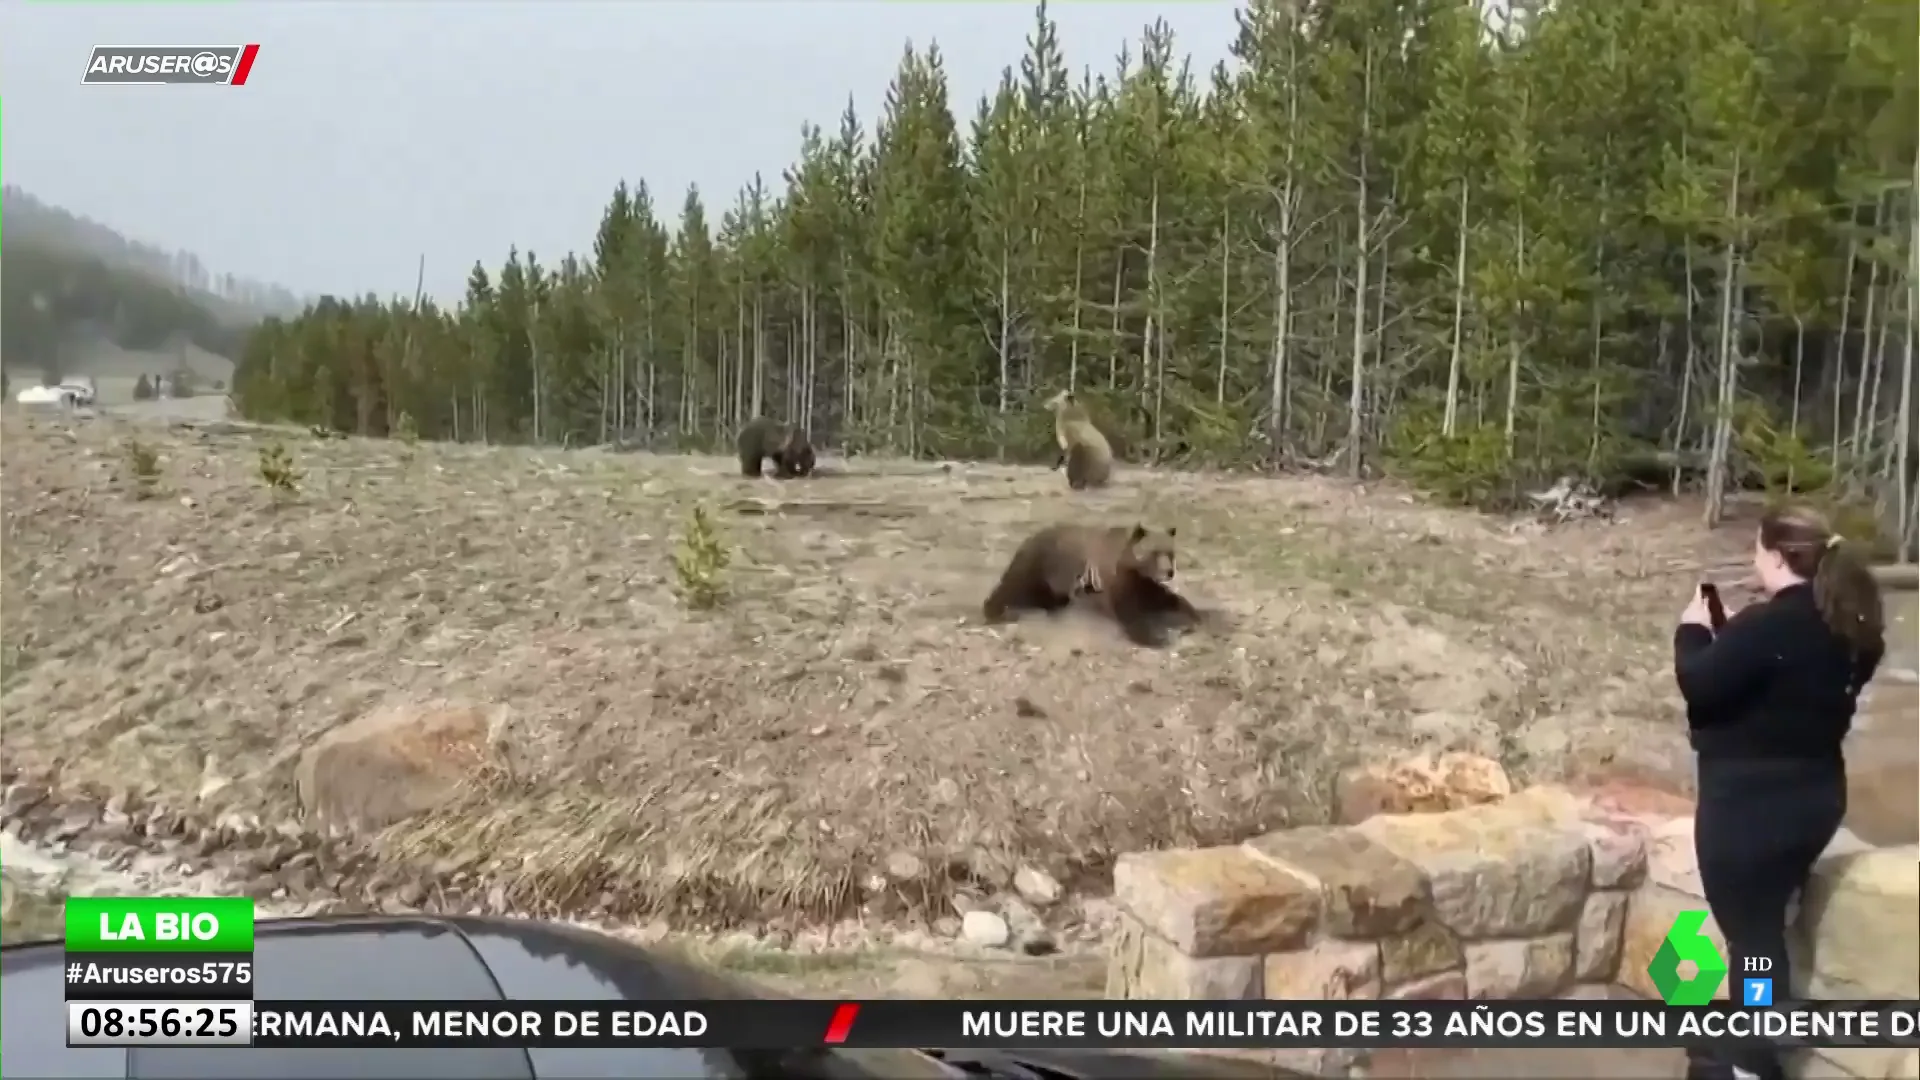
<point x="1357" y="391"/>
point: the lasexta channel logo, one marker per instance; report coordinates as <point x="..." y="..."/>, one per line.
<point x="1687" y="940"/>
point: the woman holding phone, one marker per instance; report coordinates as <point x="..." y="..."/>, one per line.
<point x="1770" y="696"/>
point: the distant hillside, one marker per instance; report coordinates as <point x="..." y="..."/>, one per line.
<point x="57" y="306"/>
<point x="232" y="298"/>
<point x="76" y="295"/>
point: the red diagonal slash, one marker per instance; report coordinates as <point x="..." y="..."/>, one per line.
<point x="842" y="1023"/>
<point x="245" y="67"/>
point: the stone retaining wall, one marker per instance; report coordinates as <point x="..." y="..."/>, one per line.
<point x="1541" y="894"/>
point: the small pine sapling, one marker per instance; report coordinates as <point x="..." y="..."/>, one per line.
<point x="277" y="471"/>
<point x="144" y="466"/>
<point x="701" y="561"/>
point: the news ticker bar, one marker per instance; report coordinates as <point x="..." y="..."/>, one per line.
<point x="1040" y="1025"/>
<point x="159" y="976"/>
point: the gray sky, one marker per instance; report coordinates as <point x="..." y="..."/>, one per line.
<point x="371" y="132"/>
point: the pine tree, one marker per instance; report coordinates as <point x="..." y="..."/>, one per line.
<point x="921" y="264"/>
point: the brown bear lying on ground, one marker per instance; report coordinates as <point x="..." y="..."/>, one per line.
<point x="786" y="445"/>
<point x="1124" y="570"/>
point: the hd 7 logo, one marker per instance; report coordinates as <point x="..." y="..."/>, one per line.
<point x="207" y="65"/>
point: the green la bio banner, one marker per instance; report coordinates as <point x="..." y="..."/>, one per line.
<point x="1687" y="940"/>
<point x="159" y="924"/>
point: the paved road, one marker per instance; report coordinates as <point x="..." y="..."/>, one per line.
<point x="203" y="407"/>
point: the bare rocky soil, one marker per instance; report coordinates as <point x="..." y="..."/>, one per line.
<point x="842" y="740"/>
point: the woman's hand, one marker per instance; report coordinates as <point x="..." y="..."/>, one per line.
<point x="1697" y="612"/>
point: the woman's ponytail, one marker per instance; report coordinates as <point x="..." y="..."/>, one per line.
<point x="1848" y="597"/>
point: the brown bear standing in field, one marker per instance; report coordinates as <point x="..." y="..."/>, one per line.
<point x="1125" y="569"/>
<point x="763" y="438"/>
<point x="1086" y="453"/>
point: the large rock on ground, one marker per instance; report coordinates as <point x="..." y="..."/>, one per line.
<point x="1421" y="785"/>
<point x="1858" y="918"/>
<point x="395" y="762"/>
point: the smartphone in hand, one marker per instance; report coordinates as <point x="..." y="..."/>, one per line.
<point x="1716" y="611"/>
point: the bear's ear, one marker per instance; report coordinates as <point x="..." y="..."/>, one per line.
<point x="1139" y="533"/>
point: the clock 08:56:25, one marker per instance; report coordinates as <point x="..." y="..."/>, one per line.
<point x="159" y="1023"/>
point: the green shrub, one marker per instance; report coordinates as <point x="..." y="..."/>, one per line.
<point x="143" y="464"/>
<point x="701" y="562"/>
<point x="1780" y="461"/>
<point x="1471" y="467"/>
<point x="277" y="471"/>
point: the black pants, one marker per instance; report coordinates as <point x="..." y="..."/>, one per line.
<point x="1759" y="827"/>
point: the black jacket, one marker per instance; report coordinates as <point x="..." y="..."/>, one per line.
<point x="1774" y="684"/>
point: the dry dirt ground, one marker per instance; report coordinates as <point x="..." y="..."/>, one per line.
<point x="771" y="760"/>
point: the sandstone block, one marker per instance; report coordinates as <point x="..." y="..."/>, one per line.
<point x="1597" y="938"/>
<point x="1640" y="801"/>
<point x="1216" y="901"/>
<point x="1333" y="970"/>
<point x="1858" y="920"/>
<point x="1143" y="965"/>
<point x="1550" y="802"/>
<point x="1651" y="910"/>
<point x="1619" y="851"/>
<point x="395" y="762"/>
<point x="1601" y="991"/>
<point x="1420" y="785"/>
<point x="1493" y="872"/>
<point x="1618" y="841"/>
<point x="1519" y="967"/>
<point x="1365" y="890"/>
<point x="1427" y="948"/>
<point x="1446" y="986"/>
<point x="1670" y="859"/>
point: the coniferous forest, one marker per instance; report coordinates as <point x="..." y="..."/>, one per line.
<point x="1665" y="240"/>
